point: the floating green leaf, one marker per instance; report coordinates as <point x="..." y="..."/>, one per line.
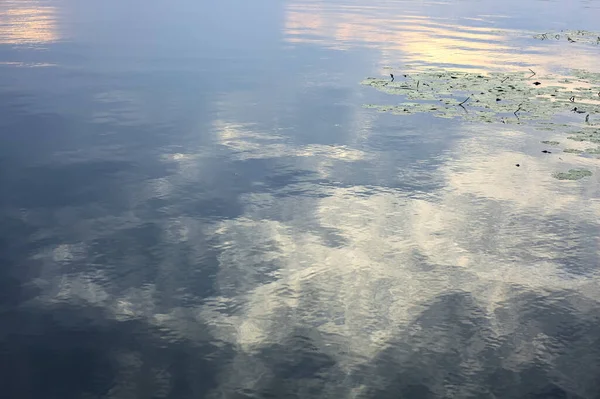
<point x="573" y="174"/>
<point x="594" y="151"/>
<point x="589" y="135"/>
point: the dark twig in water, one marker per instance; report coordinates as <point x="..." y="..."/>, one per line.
<point x="467" y="99"/>
<point x="518" y="109"/>
<point x="504" y="80"/>
<point x="418" y="81"/>
<point x="532" y="73"/>
<point x="392" y="76"/>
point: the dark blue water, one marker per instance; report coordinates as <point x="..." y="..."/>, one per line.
<point x="195" y="204"/>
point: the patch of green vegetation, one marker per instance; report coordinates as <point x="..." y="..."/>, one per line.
<point x="499" y="97"/>
<point x="594" y="151"/>
<point x="571" y="36"/>
<point x="589" y="135"/>
<point x="508" y="98"/>
<point x="573" y="174"/>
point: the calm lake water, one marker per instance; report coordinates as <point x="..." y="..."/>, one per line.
<point x="194" y="203"/>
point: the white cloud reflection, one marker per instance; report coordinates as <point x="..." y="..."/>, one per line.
<point x="397" y="255"/>
<point x="246" y="143"/>
<point x="358" y="264"/>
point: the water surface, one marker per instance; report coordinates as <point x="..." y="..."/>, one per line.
<point x="195" y="203"/>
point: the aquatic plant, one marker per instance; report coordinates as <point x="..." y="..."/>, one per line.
<point x="571" y="36"/>
<point x="498" y="97"/>
<point x="573" y="174"/>
<point x="508" y="98"/>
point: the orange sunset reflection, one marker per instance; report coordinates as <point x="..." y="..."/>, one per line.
<point x="403" y="36"/>
<point x="26" y="22"/>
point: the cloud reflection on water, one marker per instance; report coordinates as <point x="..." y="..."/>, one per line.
<point x="308" y="277"/>
<point x="396" y="256"/>
<point x="363" y="270"/>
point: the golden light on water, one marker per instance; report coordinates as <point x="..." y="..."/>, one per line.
<point x="403" y="37"/>
<point x="26" y="22"/>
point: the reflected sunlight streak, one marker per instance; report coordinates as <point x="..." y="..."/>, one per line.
<point x="26" y="22"/>
<point x="419" y="40"/>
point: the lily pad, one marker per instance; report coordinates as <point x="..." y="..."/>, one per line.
<point x="573" y="174"/>
<point x="594" y="151"/>
<point x="589" y="135"/>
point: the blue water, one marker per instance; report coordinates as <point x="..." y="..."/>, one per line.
<point x="195" y="204"/>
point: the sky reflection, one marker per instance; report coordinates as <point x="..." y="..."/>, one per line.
<point x="460" y="39"/>
<point x="235" y="196"/>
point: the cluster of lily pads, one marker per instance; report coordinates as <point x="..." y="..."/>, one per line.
<point x="572" y="36"/>
<point x="509" y="98"/>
